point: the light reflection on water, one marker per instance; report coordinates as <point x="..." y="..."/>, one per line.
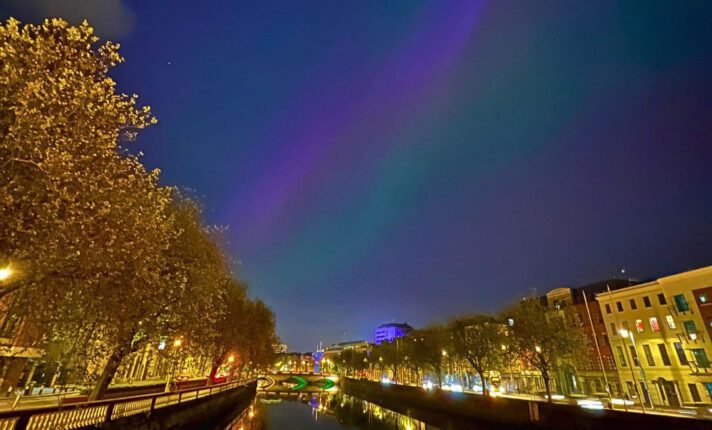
<point x="325" y="411"/>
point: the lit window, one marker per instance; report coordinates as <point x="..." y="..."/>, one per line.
<point x="639" y="326"/>
<point x="670" y="322"/>
<point x="654" y="324"/>
<point x="703" y="297"/>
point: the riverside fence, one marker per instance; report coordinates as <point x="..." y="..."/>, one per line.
<point x="78" y="415"/>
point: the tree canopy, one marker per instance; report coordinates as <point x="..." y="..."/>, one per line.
<point x="98" y="247"/>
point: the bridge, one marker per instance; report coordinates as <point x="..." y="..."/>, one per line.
<point x="296" y="382"/>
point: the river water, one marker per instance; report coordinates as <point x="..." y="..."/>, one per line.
<point x="321" y="411"/>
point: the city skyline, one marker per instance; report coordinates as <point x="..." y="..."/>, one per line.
<point x="424" y="159"/>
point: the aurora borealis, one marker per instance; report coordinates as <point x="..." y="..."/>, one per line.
<point x="410" y="160"/>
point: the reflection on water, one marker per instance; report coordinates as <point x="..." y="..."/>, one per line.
<point x="326" y="411"/>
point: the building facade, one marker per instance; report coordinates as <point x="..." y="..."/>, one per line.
<point x="593" y="368"/>
<point x="660" y="334"/>
<point x="390" y="332"/>
<point x="19" y="354"/>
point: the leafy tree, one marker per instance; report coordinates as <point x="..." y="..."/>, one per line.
<point x="478" y="339"/>
<point x="540" y="337"/>
<point x="389" y="354"/>
<point x="353" y="361"/>
<point x="107" y="259"/>
<point x="427" y="347"/>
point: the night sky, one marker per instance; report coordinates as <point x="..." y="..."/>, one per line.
<point x="382" y="161"/>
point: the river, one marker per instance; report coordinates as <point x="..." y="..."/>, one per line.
<point x="332" y="411"/>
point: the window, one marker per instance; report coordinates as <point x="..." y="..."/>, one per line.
<point x="604" y="339"/>
<point x="646" y="301"/>
<point x="694" y="393"/>
<point x="648" y="355"/>
<point x="608" y="308"/>
<point x="703" y="298"/>
<point x="621" y="356"/>
<point x="633" y="304"/>
<point x="613" y="329"/>
<point x="639" y="327"/>
<point x="661" y="299"/>
<point x="701" y="358"/>
<point x="654" y="324"/>
<point x="670" y="322"/>
<point x="708" y="387"/>
<point x="681" y="303"/>
<point x="690" y="328"/>
<point x="664" y="354"/>
<point x="681" y="353"/>
<point x="634" y="356"/>
<point x="619" y="305"/>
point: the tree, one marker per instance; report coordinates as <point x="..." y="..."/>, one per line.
<point x="390" y="356"/>
<point x="540" y="338"/>
<point x="106" y="258"/>
<point x="428" y="349"/>
<point x="478" y="339"/>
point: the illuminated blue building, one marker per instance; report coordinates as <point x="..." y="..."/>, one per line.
<point x="390" y="332"/>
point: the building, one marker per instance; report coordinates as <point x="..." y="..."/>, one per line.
<point x="390" y="332"/>
<point x="660" y="347"/>
<point x="19" y="354"/>
<point x="593" y="368"/>
<point x="280" y="348"/>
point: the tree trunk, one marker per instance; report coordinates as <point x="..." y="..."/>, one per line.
<point x="102" y="385"/>
<point x="547" y="385"/>
<point x="107" y="375"/>
<point x="483" y="382"/>
<point x="438" y="374"/>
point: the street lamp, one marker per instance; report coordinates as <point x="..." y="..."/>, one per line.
<point x="6" y="273"/>
<point x="625" y="333"/>
<point x="176" y="344"/>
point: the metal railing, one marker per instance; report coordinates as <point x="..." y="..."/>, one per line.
<point x="77" y="415"/>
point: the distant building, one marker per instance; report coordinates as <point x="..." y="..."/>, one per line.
<point x="357" y="345"/>
<point x="390" y="332"/>
<point x="280" y="348"/>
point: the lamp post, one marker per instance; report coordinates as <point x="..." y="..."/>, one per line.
<point x="625" y="333"/>
<point x="176" y="344"/>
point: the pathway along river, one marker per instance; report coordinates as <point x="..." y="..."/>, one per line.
<point x="336" y="411"/>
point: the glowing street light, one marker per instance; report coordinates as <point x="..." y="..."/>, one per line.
<point x="6" y="273"/>
<point x="231" y="359"/>
<point x="444" y="353"/>
<point x="625" y="333"/>
<point x="537" y="349"/>
<point x="177" y="343"/>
